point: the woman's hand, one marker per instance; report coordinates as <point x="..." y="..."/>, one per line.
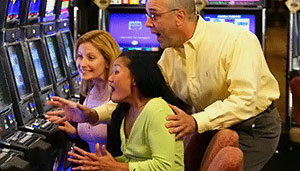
<point x="71" y="111"/>
<point x="96" y="161"/>
<point x="65" y="126"/>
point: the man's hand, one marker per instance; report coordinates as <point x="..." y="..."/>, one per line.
<point x="181" y="123"/>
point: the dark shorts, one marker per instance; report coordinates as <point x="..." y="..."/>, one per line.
<point x="259" y="137"/>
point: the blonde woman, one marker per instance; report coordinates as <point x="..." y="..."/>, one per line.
<point x="95" y="53"/>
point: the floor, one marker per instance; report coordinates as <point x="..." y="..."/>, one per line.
<point x="287" y="156"/>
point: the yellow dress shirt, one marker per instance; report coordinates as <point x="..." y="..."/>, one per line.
<point x="221" y="71"/>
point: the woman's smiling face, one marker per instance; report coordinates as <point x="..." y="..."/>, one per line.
<point x="90" y="62"/>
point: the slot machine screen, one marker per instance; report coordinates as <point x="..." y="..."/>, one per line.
<point x="49" y="12"/>
<point x="68" y="44"/>
<point x="130" y="32"/>
<point x="2" y="100"/>
<point x="39" y="65"/>
<point x="64" y="12"/>
<point x="233" y="2"/>
<point x="56" y="60"/>
<point x="13" y="10"/>
<point x="4" y="96"/>
<point x="34" y="8"/>
<point x="247" y="22"/>
<point x="19" y="71"/>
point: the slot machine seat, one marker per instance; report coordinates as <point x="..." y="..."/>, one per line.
<point x="217" y="154"/>
<point x="227" y="159"/>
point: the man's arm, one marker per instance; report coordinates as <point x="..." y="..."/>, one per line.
<point x="104" y="111"/>
<point x="71" y="111"/>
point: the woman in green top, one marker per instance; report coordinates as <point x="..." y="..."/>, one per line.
<point x="137" y="86"/>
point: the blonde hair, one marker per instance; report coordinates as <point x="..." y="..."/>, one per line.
<point x="107" y="46"/>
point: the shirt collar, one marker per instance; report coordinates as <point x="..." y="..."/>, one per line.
<point x="198" y="34"/>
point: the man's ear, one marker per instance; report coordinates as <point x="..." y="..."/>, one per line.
<point x="180" y="17"/>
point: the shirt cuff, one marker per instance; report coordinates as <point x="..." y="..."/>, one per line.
<point x="104" y="111"/>
<point x="121" y="159"/>
<point x="202" y="121"/>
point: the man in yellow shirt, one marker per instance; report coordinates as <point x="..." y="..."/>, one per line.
<point x="220" y="70"/>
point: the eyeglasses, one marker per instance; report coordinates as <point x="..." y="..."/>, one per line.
<point x="155" y="16"/>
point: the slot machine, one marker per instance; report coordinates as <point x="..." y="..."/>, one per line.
<point x="22" y="116"/>
<point x="30" y="145"/>
<point x="33" y="54"/>
<point x="54" y="52"/>
<point x="10" y="159"/>
<point x="66" y="43"/>
<point x="18" y="78"/>
<point x="31" y="40"/>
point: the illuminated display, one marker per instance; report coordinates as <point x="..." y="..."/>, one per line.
<point x="67" y="88"/>
<point x="13" y="10"/>
<point x="50" y="96"/>
<point x="130" y="32"/>
<point x="49" y="13"/>
<point x="79" y="80"/>
<point x="69" y="50"/>
<point x="5" y="124"/>
<point x="56" y="62"/>
<point x="247" y="22"/>
<point x="17" y="72"/>
<point x="233" y="2"/>
<point x="31" y="106"/>
<point x="132" y="2"/>
<point x="39" y="69"/>
<point x="34" y="8"/>
<point x="64" y="12"/>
